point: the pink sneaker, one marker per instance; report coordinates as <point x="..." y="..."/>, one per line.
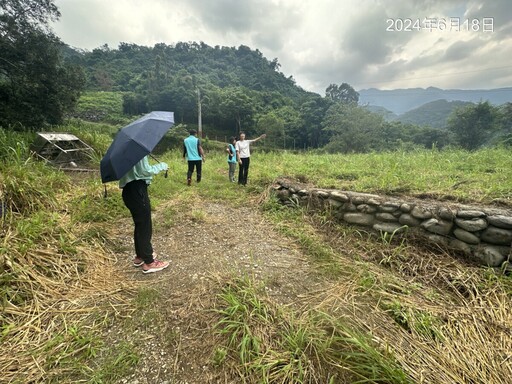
<point x="137" y="262"/>
<point x="155" y="266"/>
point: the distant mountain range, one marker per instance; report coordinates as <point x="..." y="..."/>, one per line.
<point x="399" y="101"/>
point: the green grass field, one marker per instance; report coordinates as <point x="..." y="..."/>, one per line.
<point x="481" y="177"/>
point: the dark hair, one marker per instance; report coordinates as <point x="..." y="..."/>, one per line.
<point x="192" y="131"/>
<point x="232" y="138"/>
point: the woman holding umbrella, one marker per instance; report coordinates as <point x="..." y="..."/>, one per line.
<point x="136" y="198"/>
<point x="126" y="160"/>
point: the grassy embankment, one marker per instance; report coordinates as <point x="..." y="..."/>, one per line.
<point x="392" y="312"/>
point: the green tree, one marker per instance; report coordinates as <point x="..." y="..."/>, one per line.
<point x="343" y="93"/>
<point x="472" y="124"/>
<point x="36" y="87"/>
<point x="283" y="127"/>
<point x="503" y="125"/>
<point x="312" y="111"/>
<point x="353" y="129"/>
<point x="293" y="126"/>
<point x="431" y="137"/>
<point x="273" y="126"/>
<point x="237" y="106"/>
<point x="134" y="104"/>
<point x="23" y="15"/>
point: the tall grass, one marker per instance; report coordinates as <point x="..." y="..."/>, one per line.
<point x="480" y="176"/>
<point x="438" y="319"/>
<point x="26" y="185"/>
<point x="55" y="271"/>
<point x="279" y="346"/>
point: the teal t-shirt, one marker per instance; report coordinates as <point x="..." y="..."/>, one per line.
<point x="232" y="158"/>
<point x="191" y="145"/>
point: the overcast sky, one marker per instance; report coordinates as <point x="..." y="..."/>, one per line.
<point x="383" y="44"/>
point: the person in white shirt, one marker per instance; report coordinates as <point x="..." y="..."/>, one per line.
<point x="243" y="156"/>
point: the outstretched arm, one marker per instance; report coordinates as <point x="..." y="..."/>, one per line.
<point x="260" y="137"/>
<point x="145" y="169"/>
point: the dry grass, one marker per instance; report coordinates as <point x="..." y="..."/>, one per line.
<point x="48" y="294"/>
<point x="470" y="342"/>
<point x="445" y="321"/>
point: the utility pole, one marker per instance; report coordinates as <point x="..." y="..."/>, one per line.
<point x="199" y="122"/>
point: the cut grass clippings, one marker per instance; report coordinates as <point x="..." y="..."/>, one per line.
<point x="52" y="302"/>
<point x="58" y="286"/>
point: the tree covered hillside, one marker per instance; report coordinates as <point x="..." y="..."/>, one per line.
<point x="132" y="67"/>
<point x="37" y="87"/>
<point x="237" y="88"/>
<point x="434" y="114"/>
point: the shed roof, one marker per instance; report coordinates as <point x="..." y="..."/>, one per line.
<point x="50" y="136"/>
<point x="60" y="148"/>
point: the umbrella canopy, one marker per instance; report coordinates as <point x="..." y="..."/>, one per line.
<point x="133" y="142"/>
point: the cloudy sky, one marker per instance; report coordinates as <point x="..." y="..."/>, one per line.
<point x="383" y="44"/>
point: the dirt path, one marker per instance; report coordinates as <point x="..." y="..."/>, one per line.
<point x="207" y="243"/>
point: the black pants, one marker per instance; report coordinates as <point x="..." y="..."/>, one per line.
<point x="243" y="170"/>
<point x="136" y="199"/>
<point x="198" y="164"/>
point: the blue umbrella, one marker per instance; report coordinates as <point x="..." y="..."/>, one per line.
<point x="133" y="142"/>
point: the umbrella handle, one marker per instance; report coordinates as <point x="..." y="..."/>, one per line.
<point x="154" y="158"/>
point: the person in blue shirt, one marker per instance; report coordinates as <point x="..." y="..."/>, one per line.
<point x="136" y="198"/>
<point x="194" y="153"/>
<point x="231" y="158"/>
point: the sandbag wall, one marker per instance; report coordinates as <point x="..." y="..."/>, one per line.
<point x="480" y="233"/>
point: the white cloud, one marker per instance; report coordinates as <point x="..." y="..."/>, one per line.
<point x="318" y="42"/>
